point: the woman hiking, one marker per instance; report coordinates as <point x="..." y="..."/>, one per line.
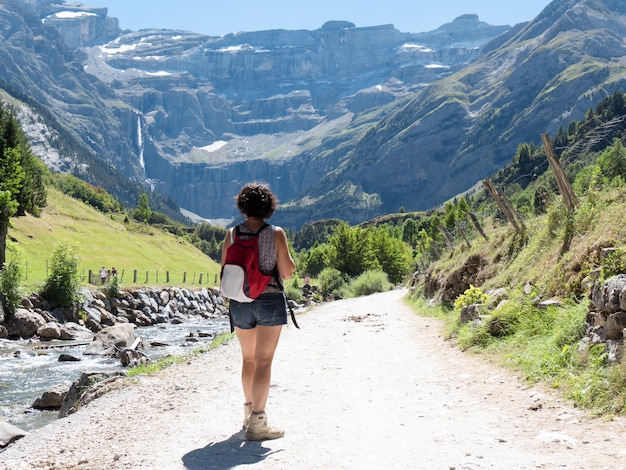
<point x="258" y="324"/>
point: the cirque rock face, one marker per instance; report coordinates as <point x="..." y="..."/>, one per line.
<point x="343" y="121"/>
<point x="194" y="115"/>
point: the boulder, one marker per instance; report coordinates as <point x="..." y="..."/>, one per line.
<point x="74" y="331"/>
<point x="608" y="297"/>
<point x="87" y="388"/>
<point x="52" y="399"/>
<point x="9" y="433"/>
<point x="3" y="332"/>
<point x="24" y="324"/>
<point x="111" y="339"/>
<point x="50" y="331"/>
<point x="469" y="313"/>
<point x="615" y="324"/>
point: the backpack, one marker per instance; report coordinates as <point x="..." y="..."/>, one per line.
<point x="241" y="278"/>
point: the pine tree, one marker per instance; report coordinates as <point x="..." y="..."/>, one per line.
<point x="21" y="177"/>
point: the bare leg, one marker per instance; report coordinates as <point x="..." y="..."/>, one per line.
<point x="247" y="341"/>
<point x="257" y="347"/>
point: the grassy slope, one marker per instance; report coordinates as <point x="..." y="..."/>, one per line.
<point x="107" y="240"/>
<point x="543" y="344"/>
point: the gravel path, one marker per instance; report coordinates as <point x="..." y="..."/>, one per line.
<point x="365" y="384"/>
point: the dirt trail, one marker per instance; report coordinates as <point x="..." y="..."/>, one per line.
<point x="365" y="384"/>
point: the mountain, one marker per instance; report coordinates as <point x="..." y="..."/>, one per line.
<point x="342" y="121"/>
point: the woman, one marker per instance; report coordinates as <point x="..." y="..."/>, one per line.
<point x="258" y="324"/>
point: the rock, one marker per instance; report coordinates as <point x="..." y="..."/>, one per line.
<point x="68" y="358"/>
<point x="112" y="338"/>
<point x="615" y="351"/>
<point x="469" y="313"/>
<point x="608" y="297"/>
<point x="50" y="331"/>
<point x="495" y="296"/>
<point x="52" y="399"/>
<point x="132" y="358"/>
<point x="550" y="303"/>
<point x="9" y="433"/>
<point x="87" y="388"/>
<point x="3" y="332"/>
<point x="74" y="331"/>
<point x="24" y="324"/>
<point x="614" y="325"/>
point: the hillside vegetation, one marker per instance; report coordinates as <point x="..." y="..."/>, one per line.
<point x="531" y="286"/>
<point x="107" y="240"/>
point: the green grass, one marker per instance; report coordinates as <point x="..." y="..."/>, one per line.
<point x="544" y="344"/>
<point x="107" y="240"/>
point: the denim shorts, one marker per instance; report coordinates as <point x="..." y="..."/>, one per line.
<point x="265" y="310"/>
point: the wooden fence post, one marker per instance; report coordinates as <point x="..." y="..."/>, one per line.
<point x="504" y="207"/>
<point x="567" y="193"/>
<point x="476" y="223"/>
<point x="446" y="235"/>
<point x="458" y="225"/>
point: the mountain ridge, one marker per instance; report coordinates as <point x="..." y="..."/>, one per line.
<point x="194" y="117"/>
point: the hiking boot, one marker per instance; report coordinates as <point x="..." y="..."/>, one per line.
<point x="247" y="410"/>
<point x="259" y="430"/>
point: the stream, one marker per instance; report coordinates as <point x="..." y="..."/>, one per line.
<point x="27" y="370"/>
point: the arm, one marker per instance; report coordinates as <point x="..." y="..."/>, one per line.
<point x="285" y="263"/>
<point x="225" y="246"/>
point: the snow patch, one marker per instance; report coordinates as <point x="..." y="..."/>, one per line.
<point x="414" y="47"/>
<point x="117" y="50"/>
<point x="70" y="15"/>
<point x="215" y="146"/>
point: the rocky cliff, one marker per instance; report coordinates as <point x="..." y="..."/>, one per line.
<point x="342" y="121"/>
<point x="194" y="116"/>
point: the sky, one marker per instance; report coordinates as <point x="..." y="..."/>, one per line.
<point x="216" y="18"/>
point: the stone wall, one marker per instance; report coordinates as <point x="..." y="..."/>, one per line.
<point x="142" y="307"/>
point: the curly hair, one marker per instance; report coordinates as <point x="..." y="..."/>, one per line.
<point x="256" y="200"/>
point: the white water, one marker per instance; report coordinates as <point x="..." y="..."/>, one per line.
<point x="140" y="146"/>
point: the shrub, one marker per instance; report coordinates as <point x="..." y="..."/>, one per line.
<point x="471" y="296"/>
<point x="10" y="279"/>
<point x="61" y="287"/>
<point x="112" y="289"/>
<point x="368" y="283"/>
<point x="331" y="282"/>
<point x="292" y="289"/>
<point x="614" y="263"/>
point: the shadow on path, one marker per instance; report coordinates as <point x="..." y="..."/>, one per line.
<point x="226" y="454"/>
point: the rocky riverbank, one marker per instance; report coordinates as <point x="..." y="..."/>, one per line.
<point x="106" y="324"/>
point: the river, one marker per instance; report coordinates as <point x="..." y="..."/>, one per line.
<point x="27" y="371"/>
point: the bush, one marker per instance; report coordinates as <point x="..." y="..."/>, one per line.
<point x="471" y="296"/>
<point x="292" y="290"/>
<point x="331" y="282"/>
<point x="10" y="280"/>
<point x="62" y="286"/>
<point x="614" y="263"/>
<point x="368" y="283"/>
<point x="112" y="289"/>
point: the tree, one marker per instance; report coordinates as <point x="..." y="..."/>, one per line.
<point x="21" y="177"/>
<point x="143" y="211"/>
<point x="348" y="250"/>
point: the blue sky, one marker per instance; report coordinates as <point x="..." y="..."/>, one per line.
<point x="216" y="18"/>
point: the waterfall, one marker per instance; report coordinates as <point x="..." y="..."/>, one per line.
<point x="140" y="146"/>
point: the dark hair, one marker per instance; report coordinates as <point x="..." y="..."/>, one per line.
<point x="256" y="200"/>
